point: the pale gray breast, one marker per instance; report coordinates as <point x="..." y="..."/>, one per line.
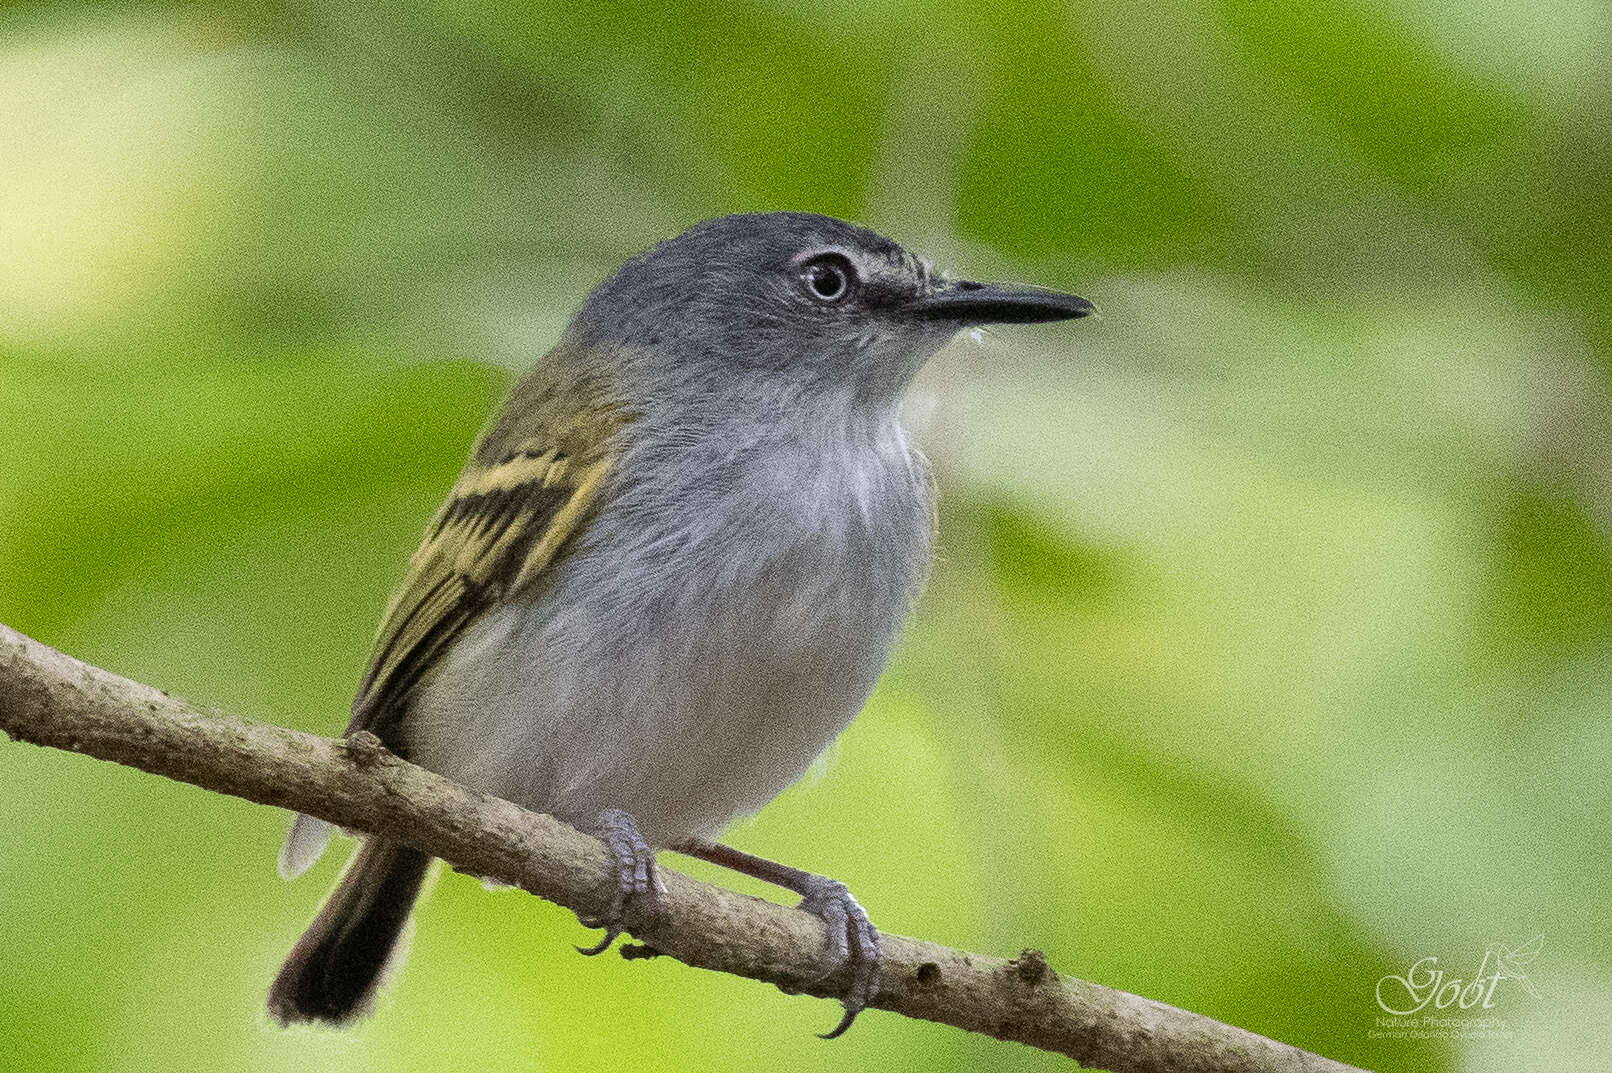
<point x="709" y="638"/>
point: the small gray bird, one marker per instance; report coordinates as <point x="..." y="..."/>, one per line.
<point x="669" y="575"/>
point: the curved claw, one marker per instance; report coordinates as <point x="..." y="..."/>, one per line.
<point x="850" y="938"/>
<point x="853" y="940"/>
<point x="846" y="1020"/>
<point x="611" y="932"/>
<point x="636" y="876"/>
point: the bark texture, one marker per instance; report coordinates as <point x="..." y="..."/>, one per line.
<point x="51" y="699"/>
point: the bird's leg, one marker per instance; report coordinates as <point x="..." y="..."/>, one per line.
<point x="852" y="938"/>
<point x="636" y="877"/>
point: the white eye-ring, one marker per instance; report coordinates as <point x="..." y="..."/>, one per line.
<point x="828" y="277"/>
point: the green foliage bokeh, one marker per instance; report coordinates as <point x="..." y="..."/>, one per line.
<point x="1269" y="648"/>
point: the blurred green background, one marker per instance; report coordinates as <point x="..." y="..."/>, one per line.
<point x="1270" y="645"/>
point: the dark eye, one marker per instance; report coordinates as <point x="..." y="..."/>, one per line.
<point x="828" y="277"/>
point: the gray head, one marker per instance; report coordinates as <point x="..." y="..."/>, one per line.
<point x="796" y="299"/>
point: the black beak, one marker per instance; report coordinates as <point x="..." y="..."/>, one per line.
<point x="968" y="302"/>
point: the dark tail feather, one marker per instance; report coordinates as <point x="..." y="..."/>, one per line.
<point x="332" y="971"/>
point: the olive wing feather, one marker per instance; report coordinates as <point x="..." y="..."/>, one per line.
<point x="500" y="529"/>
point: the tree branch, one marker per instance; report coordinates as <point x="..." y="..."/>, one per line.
<point x="48" y="698"/>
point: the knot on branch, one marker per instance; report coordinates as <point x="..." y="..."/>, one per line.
<point x="1031" y="967"/>
<point x="363" y="748"/>
<point x="51" y="699"/>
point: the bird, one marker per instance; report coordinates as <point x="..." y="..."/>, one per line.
<point x="668" y="576"/>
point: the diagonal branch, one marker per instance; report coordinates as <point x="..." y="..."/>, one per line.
<point x="52" y="699"/>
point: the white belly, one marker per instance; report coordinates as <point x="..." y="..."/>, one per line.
<point x="688" y="703"/>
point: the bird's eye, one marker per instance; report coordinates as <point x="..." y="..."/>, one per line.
<point x="828" y="277"/>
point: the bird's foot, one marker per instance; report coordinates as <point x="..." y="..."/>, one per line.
<point x="852" y="941"/>
<point x="636" y="876"/>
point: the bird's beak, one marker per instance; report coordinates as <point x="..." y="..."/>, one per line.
<point x="967" y="302"/>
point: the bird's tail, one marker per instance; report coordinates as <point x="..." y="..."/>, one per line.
<point x="333" y="970"/>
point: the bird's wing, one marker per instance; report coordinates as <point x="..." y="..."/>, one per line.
<point x="504" y="523"/>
